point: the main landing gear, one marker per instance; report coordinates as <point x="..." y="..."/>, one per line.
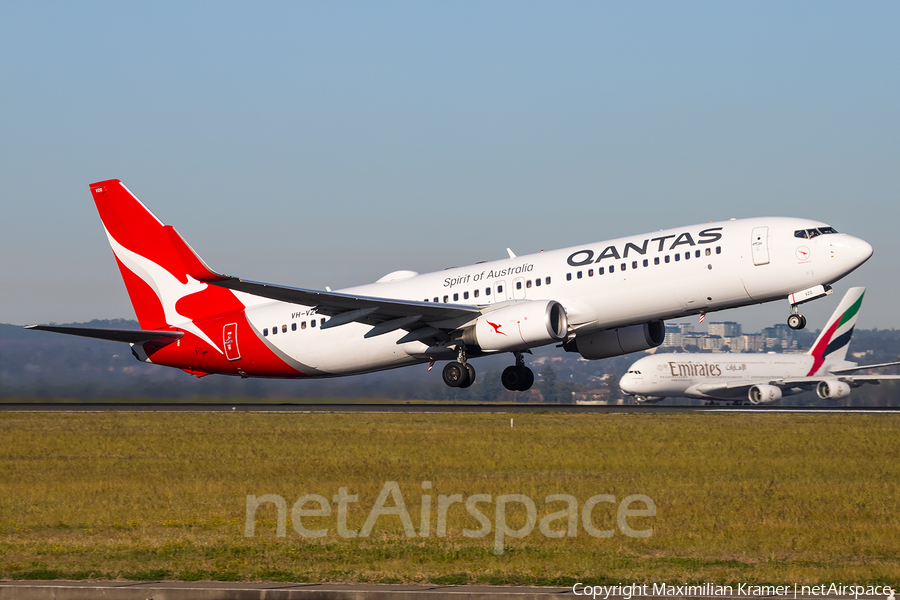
<point x="518" y="377"/>
<point x="459" y="374"/>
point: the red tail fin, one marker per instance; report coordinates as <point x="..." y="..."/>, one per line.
<point x="161" y="272"/>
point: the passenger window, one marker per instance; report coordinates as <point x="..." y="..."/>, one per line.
<point x="568" y="277"/>
<point x="518" y="285"/>
<point x="634" y="264"/>
<point x="696" y="254"/>
<point x="266" y="331"/>
<point x="718" y="249"/>
<point x="590" y="272"/>
<point x="446" y="299"/>
<point x="455" y="297"/>
<point x="623" y="267"/>
<point x="312" y="323"/>
<point x="465" y="295"/>
<point x="655" y="260"/>
<point x="578" y="275"/>
<point x="547" y="280"/>
<point x="677" y="257"/>
<point x="322" y="322"/>
<point x="499" y="289"/>
<point x="303" y="325"/>
<point x="528" y="283"/>
<point x="708" y="252"/>
<point x="687" y="255"/>
<point x="537" y="282"/>
<point x="293" y="327"/>
<point x="487" y="291"/>
<point x="475" y="293"/>
<point x="646" y="262"/>
<point x="667" y="258"/>
<point x="436" y="299"/>
<point x="284" y="329"/>
<point x="600" y="271"/>
<point x="275" y="330"/>
<point x="612" y="268"/>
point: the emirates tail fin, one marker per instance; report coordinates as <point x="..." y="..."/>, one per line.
<point x="834" y="340"/>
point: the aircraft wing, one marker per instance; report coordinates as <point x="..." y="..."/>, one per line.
<point x="862" y="367"/>
<point x="343" y="308"/>
<point x="737" y="388"/>
<point x="387" y="314"/>
<point x="130" y="336"/>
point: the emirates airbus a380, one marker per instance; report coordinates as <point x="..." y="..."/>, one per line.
<point x="600" y="300"/>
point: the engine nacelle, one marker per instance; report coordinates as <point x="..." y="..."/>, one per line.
<point x="764" y="394"/>
<point x="649" y="399"/>
<point x="519" y="326"/>
<point x="832" y="390"/>
<point x="615" y="342"/>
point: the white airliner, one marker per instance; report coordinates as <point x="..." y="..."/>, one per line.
<point x="601" y="299"/>
<point x="760" y="378"/>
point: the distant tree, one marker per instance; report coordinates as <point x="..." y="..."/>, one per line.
<point x="547" y="386"/>
<point x="612" y="384"/>
<point x="490" y="387"/>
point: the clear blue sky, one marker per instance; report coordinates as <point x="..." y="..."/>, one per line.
<point x="317" y="144"/>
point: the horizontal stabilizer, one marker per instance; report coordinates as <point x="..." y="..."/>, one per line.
<point x="129" y="336"/>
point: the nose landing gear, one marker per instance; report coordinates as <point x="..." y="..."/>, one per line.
<point x="796" y="321"/>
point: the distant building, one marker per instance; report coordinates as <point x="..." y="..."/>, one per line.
<point x="754" y="342"/>
<point x="726" y="329"/>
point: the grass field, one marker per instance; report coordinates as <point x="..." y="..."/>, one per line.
<point x="756" y="498"/>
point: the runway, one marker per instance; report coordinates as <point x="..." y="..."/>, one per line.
<point x="435" y="407"/>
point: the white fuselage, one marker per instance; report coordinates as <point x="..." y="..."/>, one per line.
<point x="631" y="280"/>
<point x="685" y="375"/>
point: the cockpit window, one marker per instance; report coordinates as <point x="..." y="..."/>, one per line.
<point x="811" y="233"/>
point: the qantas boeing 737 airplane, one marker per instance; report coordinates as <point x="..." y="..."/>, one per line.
<point x="759" y="378"/>
<point x="600" y="300"/>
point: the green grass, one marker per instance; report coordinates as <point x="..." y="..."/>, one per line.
<point x="757" y="498"/>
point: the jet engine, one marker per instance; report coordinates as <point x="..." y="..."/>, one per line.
<point x="615" y="342"/>
<point x="832" y="390"/>
<point x="649" y="399"/>
<point x="764" y="394"/>
<point x="519" y="326"/>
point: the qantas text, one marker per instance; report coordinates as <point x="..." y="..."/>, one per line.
<point x="586" y="257"/>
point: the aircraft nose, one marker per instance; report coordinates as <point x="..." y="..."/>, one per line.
<point x="857" y="250"/>
<point x="625" y="383"/>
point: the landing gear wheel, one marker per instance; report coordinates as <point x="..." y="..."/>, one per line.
<point x="470" y="379"/>
<point x="517" y="379"/>
<point x="528" y="380"/>
<point x="796" y="321"/>
<point x="455" y="374"/>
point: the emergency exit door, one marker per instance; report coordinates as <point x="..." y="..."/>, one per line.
<point x="759" y="245"/>
<point x="229" y="334"/>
